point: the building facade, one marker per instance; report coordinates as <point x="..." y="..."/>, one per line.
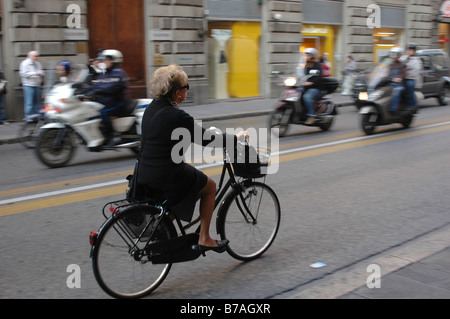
<point x="229" y="48"/>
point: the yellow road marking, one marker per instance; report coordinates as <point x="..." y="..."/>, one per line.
<point x="75" y="197"/>
<point x="120" y="189"/>
<point x="66" y="183"/>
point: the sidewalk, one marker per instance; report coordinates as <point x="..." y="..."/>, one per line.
<point x="419" y="269"/>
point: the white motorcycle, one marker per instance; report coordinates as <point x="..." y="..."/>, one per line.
<point x="77" y="120"/>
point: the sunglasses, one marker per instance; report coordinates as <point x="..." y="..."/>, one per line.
<point x="184" y="87"/>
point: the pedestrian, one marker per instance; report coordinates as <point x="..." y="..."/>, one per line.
<point x="32" y="75"/>
<point x="2" y="92"/>
<point x="349" y="72"/>
<point x="326" y="64"/>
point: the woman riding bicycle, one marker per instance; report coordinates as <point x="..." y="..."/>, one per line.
<point x="181" y="183"/>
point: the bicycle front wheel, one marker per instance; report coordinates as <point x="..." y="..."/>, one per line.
<point x="250" y="220"/>
<point x="121" y="264"/>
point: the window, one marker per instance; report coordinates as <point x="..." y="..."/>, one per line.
<point x="440" y="62"/>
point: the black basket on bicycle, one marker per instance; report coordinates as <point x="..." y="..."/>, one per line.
<point x="250" y="162"/>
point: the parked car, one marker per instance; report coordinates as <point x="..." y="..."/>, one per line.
<point x="436" y="76"/>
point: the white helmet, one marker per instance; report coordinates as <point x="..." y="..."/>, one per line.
<point x="397" y="51"/>
<point x="114" y="55"/>
<point x="314" y="53"/>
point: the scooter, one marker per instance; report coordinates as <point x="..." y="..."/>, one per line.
<point x="76" y="119"/>
<point x="375" y="103"/>
<point x="283" y="114"/>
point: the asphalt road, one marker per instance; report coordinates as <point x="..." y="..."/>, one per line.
<point x="344" y="197"/>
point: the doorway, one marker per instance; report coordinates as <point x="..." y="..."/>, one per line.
<point x="119" y="24"/>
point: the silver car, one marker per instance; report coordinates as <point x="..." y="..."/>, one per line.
<point x="436" y="74"/>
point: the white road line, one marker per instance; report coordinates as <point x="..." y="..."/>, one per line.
<point x="205" y="166"/>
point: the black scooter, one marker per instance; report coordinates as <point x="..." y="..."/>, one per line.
<point x="283" y="114"/>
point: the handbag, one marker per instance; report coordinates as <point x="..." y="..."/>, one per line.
<point x="246" y="161"/>
<point x="133" y="192"/>
<point x="136" y="192"/>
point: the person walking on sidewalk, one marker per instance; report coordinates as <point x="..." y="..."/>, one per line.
<point x="31" y="74"/>
<point x="349" y="73"/>
<point x="2" y="92"/>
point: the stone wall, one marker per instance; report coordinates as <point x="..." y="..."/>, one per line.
<point x="41" y="26"/>
<point x="282" y="22"/>
<point x="177" y="34"/>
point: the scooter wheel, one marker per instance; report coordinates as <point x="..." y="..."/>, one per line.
<point x="275" y="122"/>
<point x="368" y="124"/>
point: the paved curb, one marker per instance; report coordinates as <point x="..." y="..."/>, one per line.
<point x="349" y="279"/>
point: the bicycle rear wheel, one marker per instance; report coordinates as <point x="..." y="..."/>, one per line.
<point x="122" y="267"/>
<point x="28" y="132"/>
<point x="250" y="232"/>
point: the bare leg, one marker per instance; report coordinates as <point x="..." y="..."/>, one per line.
<point x="207" y="199"/>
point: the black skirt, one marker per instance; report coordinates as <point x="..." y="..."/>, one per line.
<point x="180" y="186"/>
<point x="183" y="206"/>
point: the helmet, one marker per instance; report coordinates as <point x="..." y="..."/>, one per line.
<point x="397" y="51"/>
<point x="314" y="53"/>
<point x="66" y="64"/>
<point x="114" y="55"/>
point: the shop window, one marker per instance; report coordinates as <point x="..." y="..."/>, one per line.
<point x="233" y="49"/>
<point x="384" y="40"/>
<point x="322" y="38"/>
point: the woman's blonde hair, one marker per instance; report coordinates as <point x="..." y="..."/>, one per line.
<point x="166" y="80"/>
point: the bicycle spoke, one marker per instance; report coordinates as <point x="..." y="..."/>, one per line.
<point x="249" y="236"/>
<point x="122" y="264"/>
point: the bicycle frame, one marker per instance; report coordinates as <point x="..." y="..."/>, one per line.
<point x="165" y="213"/>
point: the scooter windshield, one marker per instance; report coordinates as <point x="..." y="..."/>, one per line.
<point x="300" y="68"/>
<point x="379" y="75"/>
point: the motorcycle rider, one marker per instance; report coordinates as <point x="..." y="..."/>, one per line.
<point x="109" y="89"/>
<point x="310" y="89"/>
<point x="396" y="77"/>
<point x="413" y="77"/>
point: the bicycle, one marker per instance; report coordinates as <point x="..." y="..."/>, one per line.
<point x="29" y="130"/>
<point x="133" y="251"/>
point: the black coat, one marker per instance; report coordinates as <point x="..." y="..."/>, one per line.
<point x="167" y="132"/>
